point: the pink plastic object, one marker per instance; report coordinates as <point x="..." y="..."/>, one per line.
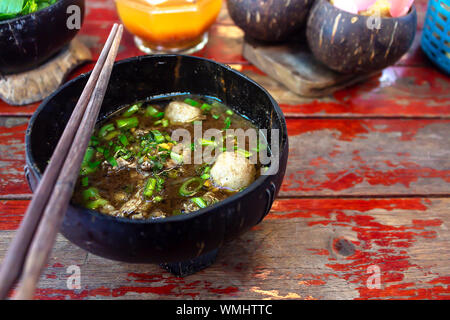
<point x="400" y="7"/>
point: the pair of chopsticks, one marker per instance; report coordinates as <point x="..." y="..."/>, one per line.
<point x="30" y="249"/>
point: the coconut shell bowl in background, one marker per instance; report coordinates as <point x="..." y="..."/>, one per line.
<point x="269" y="20"/>
<point x="351" y="43"/>
<point x="30" y="40"/>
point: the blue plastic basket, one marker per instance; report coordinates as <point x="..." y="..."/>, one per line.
<point x="436" y="33"/>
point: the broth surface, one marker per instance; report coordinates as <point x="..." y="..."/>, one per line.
<point x="132" y="167"/>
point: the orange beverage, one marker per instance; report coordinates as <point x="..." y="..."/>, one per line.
<point x="169" y="25"/>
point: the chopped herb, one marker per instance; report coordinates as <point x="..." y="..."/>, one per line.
<point x="132" y="110"/>
<point x="191" y="102"/>
<point x="227" y="123"/>
<point x="111" y="135"/>
<point x="85" y="181"/>
<point x="90" y="194"/>
<point x="112" y="161"/>
<point x="190" y="187"/>
<point x="105" y="129"/>
<point x="151" y="111"/>
<point x="199" y="202"/>
<point x="159" y="137"/>
<point x="124" y="140"/>
<point x="205" y="176"/>
<point x="206" y="107"/>
<point x="149" y="187"/>
<point x="176" y="157"/>
<point x="127" y="123"/>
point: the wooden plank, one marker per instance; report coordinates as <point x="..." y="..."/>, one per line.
<point x="335" y="157"/>
<point x="367" y="157"/>
<point x="396" y="92"/>
<point x="12" y="156"/>
<point x="304" y="249"/>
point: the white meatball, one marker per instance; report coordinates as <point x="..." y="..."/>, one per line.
<point x="232" y="170"/>
<point x="180" y="112"/>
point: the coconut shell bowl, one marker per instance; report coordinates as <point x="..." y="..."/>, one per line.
<point x="28" y="41"/>
<point x="185" y="243"/>
<point x="352" y="43"/>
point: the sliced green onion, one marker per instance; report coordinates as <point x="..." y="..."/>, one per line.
<point x="244" y="153"/>
<point x="229" y="112"/>
<point x="124" y="140"/>
<point x="96" y="204"/>
<point x="227" y="123"/>
<point x="93" y="141"/>
<point x="85" y="181"/>
<point x="105" y="129"/>
<point x="205" y="176"/>
<point x="149" y="187"/>
<point x="132" y="110"/>
<point x="151" y="111"/>
<point x="216" y="116"/>
<point x="176" y="157"/>
<point x="159" y="183"/>
<point x="112" y="161"/>
<point x="159" y="137"/>
<point x="94" y="164"/>
<point x="157" y="199"/>
<point x="127" y="123"/>
<point x="87" y="170"/>
<point x="190" y="187"/>
<point x="205" y="107"/>
<point x="191" y="102"/>
<point x="90" y="194"/>
<point x="165" y="122"/>
<point x="199" y="202"/>
<point x="88" y="156"/>
<point x="205" y="142"/>
<point x="159" y="115"/>
<point x="111" y="135"/>
<point x="158" y="122"/>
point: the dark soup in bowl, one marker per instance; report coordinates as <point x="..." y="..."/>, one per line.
<point x="170" y="156"/>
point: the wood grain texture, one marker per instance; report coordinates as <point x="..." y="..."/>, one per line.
<point x="367" y="157"/>
<point x="368" y="184"/>
<point x="295" y="67"/>
<point x="37" y="84"/>
<point x="327" y="157"/>
<point x="304" y="249"/>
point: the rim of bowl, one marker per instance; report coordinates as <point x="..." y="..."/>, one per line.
<point x="8" y="21"/>
<point x="255" y="184"/>
<point x="411" y="11"/>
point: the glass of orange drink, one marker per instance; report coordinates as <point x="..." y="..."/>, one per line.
<point x="169" y="26"/>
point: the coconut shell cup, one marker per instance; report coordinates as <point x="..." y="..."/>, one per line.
<point x="270" y="20"/>
<point x="28" y="41"/>
<point x="352" y="43"/>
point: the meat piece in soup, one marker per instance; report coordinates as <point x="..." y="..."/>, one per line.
<point x="133" y="169"/>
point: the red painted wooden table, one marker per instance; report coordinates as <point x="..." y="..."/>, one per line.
<point x="366" y="193"/>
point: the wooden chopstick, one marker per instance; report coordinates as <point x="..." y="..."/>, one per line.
<point x="53" y="194"/>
